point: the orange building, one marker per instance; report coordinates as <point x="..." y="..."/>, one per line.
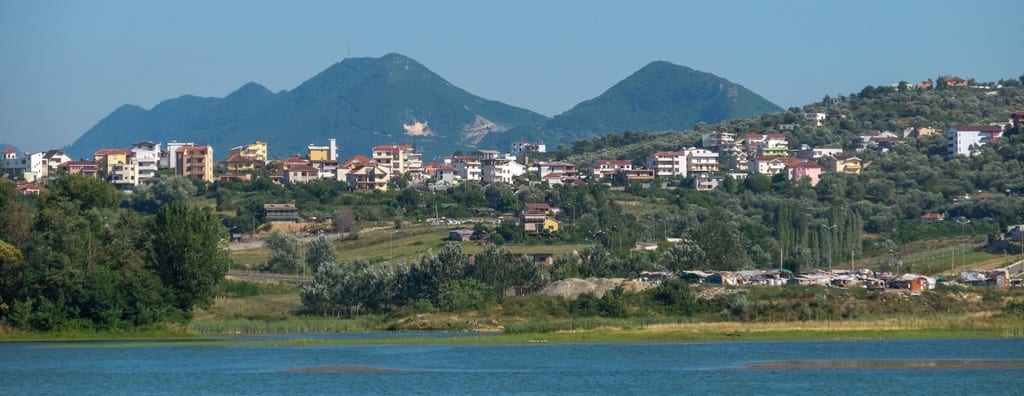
<point x="194" y="161"/>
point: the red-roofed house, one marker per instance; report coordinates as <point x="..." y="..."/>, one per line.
<point x="446" y="175"/>
<point x="238" y="163"/>
<point x="85" y="168"/>
<point x="301" y="174"/>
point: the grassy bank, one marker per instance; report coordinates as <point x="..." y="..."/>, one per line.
<point x="254" y="308"/>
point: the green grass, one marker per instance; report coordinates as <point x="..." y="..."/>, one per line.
<point x="402" y="245"/>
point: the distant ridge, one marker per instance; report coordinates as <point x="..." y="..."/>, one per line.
<point x="365" y="102"/>
<point x="660" y="96"/>
<point x="360" y="101"/>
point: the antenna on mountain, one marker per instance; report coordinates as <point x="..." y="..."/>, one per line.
<point x="348" y="51"/>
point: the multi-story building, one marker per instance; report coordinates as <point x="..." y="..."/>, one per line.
<point x="772" y="165"/>
<point x="107" y="158"/>
<point x="556" y="171"/>
<point x="667" y="163"/>
<point x="124" y="176"/>
<point x="607" y="168"/>
<point x="525" y="148"/>
<point x="368" y="177"/>
<point x="168" y="160"/>
<point x="701" y="163"/>
<point x="85" y="168"/>
<point x="31" y="167"/>
<point x="147" y="156"/>
<point x="966" y="139"/>
<point x="466" y="166"/>
<point x="350" y="164"/>
<point x="301" y="174"/>
<point x="498" y="168"/>
<point x="54" y="158"/>
<point x="398" y="159"/>
<point x="256" y="151"/>
<point x="810" y="170"/>
<point x="323" y="153"/>
<point x="717" y="141"/>
<point x="195" y="162"/>
<point x="238" y="163"/>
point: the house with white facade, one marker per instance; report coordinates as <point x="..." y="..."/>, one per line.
<point x="54" y="158"/>
<point x="966" y="139"/>
<point x="498" y="168"/>
<point x="31" y="166"/>
<point x="467" y="166"/>
<point x="556" y="172"/>
<point x="520" y="149"/>
<point x="603" y="169"/>
<point x="147" y="157"/>
<point x="667" y="163"/>
<point x="701" y="163"/>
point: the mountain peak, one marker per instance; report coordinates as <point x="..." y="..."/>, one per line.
<point x="659" y="96"/>
<point x="250" y="89"/>
<point x="360" y="101"/>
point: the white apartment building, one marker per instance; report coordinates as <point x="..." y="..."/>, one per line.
<point x="32" y="166"/>
<point x="147" y="156"/>
<point x="667" y="163"/>
<point x="962" y="138"/>
<point x="701" y="162"/>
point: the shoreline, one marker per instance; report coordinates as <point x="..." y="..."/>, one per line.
<point x="658" y="333"/>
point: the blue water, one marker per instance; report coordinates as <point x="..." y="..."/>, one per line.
<point x="693" y="368"/>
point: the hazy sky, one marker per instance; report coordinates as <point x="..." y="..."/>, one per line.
<point x="64" y="65"/>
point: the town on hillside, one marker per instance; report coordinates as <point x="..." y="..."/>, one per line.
<point x="719" y="155"/>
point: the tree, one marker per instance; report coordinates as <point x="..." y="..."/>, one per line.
<point x="16" y="221"/>
<point x="285" y="255"/>
<point x="343" y="219"/>
<point x="500" y="269"/>
<point x="724" y="247"/>
<point x="173" y="188"/>
<point x="187" y="254"/>
<point x="87" y="192"/>
<point x="11" y="265"/>
<point x="321" y="251"/>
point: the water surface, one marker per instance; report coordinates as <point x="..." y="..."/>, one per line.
<point x="837" y="367"/>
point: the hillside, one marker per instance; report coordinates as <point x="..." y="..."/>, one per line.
<point x="360" y="101"/>
<point x="660" y="96"/>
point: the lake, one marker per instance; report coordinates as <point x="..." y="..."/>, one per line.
<point x="988" y="366"/>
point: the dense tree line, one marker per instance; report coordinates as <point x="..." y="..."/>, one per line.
<point x="448" y="279"/>
<point x="78" y="258"/>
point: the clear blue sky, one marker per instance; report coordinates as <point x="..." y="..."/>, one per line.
<point x="64" y="65"/>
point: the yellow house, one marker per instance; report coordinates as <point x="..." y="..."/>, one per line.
<point x="257" y="151"/>
<point x="106" y="159"/>
<point x="237" y="163"/>
<point x="318" y="153"/>
<point x="550" y="224"/>
<point x="849" y="165"/>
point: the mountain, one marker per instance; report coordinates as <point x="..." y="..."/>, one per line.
<point x="362" y="102"/>
<point x="660" y="96"/>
